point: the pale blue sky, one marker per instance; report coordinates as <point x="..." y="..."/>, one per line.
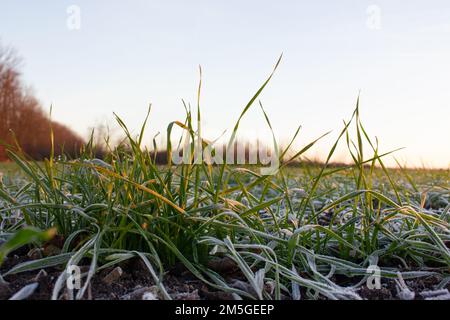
<point x="130" y="53"/>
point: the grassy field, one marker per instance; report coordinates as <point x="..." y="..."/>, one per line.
<point x="303" y="233"/>
<point x="8" y="169"/>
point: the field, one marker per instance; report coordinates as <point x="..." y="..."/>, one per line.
<point x="126" y="228"/>
<point x="197" y="232"/>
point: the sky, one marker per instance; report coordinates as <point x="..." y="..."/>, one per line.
<point x="92" y="58"/>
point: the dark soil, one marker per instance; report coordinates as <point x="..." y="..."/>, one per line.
<point x="180" y="284"/>
<point x="134" y="281"/>
<point x="388" y="289"/>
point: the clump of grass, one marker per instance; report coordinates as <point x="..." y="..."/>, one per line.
<point x="294" y="231"/>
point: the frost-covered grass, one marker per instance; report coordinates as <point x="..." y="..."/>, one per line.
<point x="293" y="234"/>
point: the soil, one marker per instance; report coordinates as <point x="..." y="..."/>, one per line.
<point x="131" y="285"/>
<point x="180" y="284"/>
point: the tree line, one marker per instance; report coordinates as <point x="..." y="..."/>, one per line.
<point x="23" y="121"/>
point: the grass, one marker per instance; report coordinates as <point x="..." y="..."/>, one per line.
<point x="297" y="231"/>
